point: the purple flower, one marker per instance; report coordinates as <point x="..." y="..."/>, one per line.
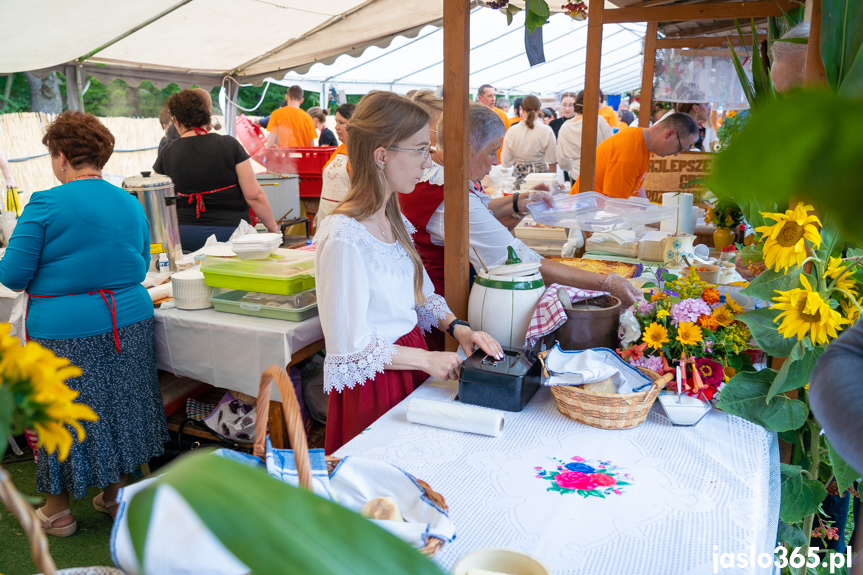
<point x="645" y="307"/>
<point x="651" y="362"/>
<point x="689" y="310"/>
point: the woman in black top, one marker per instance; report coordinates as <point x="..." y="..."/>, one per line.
<point x="212" y="174"/>
<point x="327" y="138"/>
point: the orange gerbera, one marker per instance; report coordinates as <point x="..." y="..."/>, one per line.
<point x="708" y="322"/>
<point x="710" y="295"/>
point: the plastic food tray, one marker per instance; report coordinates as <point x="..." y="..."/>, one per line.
<point x="230" y="302"/>
<point x="594" y="212"/>
<point x="272" y="275"/>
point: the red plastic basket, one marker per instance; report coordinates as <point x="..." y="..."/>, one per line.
<point x="308" y="163"/>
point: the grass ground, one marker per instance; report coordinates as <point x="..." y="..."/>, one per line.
<point x="89" y="545"/>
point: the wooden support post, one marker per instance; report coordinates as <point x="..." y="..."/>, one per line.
<point x="646" y="105"/>
<point x="710" y="11"/>
<point x="593" y="59"/>
<point x="815" y="75"/>
<point x="456" y="41"/>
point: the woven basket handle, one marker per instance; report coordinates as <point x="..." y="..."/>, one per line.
<point x="293" y="421"/>
<point x="658" y="385"/>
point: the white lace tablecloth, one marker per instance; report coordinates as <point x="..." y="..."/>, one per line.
<point x="228" y="350"/>
<point x="690" y="488"/>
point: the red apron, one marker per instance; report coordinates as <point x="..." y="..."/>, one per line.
<point x="198" y="198"/>
<point x="112" y="307"/>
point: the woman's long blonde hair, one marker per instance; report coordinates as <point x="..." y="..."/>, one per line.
<point x="381" y="120"/>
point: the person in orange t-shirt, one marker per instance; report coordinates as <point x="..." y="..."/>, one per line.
<point x="621" y="160"/>
<point x="291" y="126"/>
<point x="609" y="115"/>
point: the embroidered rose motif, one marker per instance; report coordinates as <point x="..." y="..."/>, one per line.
<point x="579" y="475"/>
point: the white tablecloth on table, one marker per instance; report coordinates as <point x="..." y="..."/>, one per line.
<point x="228" y="350"/>
<point x="691" y="487"/>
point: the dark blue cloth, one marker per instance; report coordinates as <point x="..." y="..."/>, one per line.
<point x="327" y="138"/>
<point x="192" y="238"/>
<point x="76" y="238"/>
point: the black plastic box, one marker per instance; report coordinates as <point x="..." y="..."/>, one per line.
<point x="507" y="384"/>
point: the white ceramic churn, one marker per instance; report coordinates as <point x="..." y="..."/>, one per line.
<point x="503" y="300"/>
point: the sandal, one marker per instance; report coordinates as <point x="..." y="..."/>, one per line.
<point x="100" y="505"/>
<point x="48" y="524"/>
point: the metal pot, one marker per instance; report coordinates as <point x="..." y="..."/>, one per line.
<point x="156" y="194"/>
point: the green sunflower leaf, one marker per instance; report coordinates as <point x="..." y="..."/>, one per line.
<point x="766" y="284"/>
<point x="746" y="396"/>
<point x="763" y="328"/>
<point x="797" y="369"/>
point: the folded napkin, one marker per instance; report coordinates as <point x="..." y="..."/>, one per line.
<point x="549" y="314"/>
<point x="357" y="480"/>
<point x="591" y="366"/>
<point x="280" y="464"/>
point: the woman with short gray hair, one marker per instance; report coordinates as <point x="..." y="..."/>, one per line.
<point x="490" y="220"/>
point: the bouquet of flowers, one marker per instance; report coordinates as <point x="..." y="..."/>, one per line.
<point x="691" y="324"/>
<point x="724" y="214"/>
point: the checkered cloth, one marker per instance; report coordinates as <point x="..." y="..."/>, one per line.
<point x="549" y="314"/>
<point x="198" y="409"/>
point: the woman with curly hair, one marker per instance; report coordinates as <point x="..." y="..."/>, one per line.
<point x="212" y="173"/>
<point x="101" y="319"/>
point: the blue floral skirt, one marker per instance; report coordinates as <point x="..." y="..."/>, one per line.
<point x="123" y="389"/>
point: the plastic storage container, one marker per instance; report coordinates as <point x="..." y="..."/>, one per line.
<point x="594" y="212"/>
<point x="508" y="384"/>
<point x="272" y="275"/>
<point x="294" y="307"/>
<point x="307" y="162"/>
<point x="256" y="246"/>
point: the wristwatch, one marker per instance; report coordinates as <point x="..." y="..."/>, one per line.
<point x="451" y="327"/>
<point x="515" y="202"/>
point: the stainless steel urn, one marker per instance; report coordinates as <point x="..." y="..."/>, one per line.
<point x="156" y="194"/>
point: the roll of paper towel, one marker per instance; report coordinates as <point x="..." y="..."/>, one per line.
<point x="456" y="416"/>
<point x="162" y="291"/>
<point x="685" y="221"/>
<point x="669" y="225"/>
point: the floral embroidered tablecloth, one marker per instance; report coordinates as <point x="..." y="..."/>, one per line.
<point x="651" y="500"/>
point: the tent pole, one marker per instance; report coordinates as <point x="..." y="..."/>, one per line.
<point x="647" y="79"/>
<point x="815" y="75"/>
<point x="232" y="92"/>
<point x="79" y="79"/>
<point x="71" y="73"/>
<point x="456" y="31"/>
<point x="591" y="96"/>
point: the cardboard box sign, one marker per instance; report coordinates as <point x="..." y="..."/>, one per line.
<point x="668" y="174"/>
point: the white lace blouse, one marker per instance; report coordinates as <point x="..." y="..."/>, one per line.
<point x="366" y="300"/>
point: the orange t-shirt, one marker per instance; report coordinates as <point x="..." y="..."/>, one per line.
<point x="293" y="126"/>
<point x="502" y="115"/>
<point x="610" y="116"/>
<point x="621" y="164"/>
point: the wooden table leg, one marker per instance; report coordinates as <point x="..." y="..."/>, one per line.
<point x="278" y="431"/>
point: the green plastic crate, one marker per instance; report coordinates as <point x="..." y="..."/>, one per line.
<point x="272" y="275"/>
<point x="229" y="302"/>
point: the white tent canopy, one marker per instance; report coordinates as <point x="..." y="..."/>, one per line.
<point x="497" y="58"/>
<point x="201" y="41"/>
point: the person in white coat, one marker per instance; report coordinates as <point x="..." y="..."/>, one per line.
<point x="529" y="145"/>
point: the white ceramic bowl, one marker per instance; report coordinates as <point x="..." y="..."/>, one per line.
<point x="502" y="560"/>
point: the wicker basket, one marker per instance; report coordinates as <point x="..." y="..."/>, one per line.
<point x="606" y="410"/>
<point x="297" y="437"/>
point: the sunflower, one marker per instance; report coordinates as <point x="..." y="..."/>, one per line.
<point x="840" y="273"/>
<point x="849" y="310"/>
<point x="708" y="322"/>
<point x="655" y="335"/>
<point x="733" y="306"/>
<point x="688" y="333"/>
<point x="722" y="316"/>
<point x="710" y="295"/>
<point x="805" y="311"/>
<point x="784" y="244"/>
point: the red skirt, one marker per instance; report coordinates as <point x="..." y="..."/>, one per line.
<point x="351" y="411"/>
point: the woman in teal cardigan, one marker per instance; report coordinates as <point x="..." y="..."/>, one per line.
<point x="81" y="250"/>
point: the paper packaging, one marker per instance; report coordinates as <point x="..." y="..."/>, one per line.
<point x="455" y="416"/>
<point x="162" y="291"/>
<point x="670" y="224"/>
<point x="685" y="221"/>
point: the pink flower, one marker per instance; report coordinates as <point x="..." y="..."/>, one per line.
<point x="689" y="310"/>
<point x="617" y="491"/>
<point x="603" y="479"/>
<point x="537" y="468"/>
<point x="579" y="459"/>
<point x="575" y="480"/>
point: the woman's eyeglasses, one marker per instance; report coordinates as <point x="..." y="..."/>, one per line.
<point x="424" y="151"/>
